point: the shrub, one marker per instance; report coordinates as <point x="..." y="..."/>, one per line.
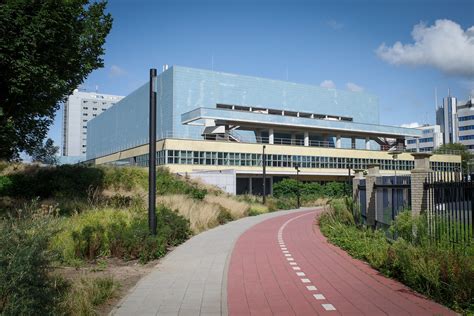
<point x="224" y="216"/>
<point x="87" y="293"/>
<point x="26" y="286"/>
<point x="442" y="273"/>
<point x="119" y="233"/>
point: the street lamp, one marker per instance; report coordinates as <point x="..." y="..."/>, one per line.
<point x="297" y="168"/>
<point x="152" y="155"/>
<point x="264" y="173"/>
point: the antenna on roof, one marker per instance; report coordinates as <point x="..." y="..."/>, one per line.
<point x="449" y="92"/>
<point x="436" y="98"/>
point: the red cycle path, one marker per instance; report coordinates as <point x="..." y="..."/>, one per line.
<point x="261" y="280"/>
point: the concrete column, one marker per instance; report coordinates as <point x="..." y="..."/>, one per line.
<point x="270" y="136"/>
<point x="371" y="206"/>
<point x="419" y="196"/>
<point x="353" y="142"/>
<point x="306" y="139"/>
<point x="338" y="141"/>
<point x="359" y="175"/>
<point x="367" y="143"/>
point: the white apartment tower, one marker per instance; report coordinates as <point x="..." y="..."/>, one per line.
<point x="80" y="108"/>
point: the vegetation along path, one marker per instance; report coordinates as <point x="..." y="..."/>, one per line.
<point x="273" y="264"/>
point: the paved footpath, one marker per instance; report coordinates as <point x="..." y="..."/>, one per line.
<point x="272" y="264"/>
<point x="285" y="266"/>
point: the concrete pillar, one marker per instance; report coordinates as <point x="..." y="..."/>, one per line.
<point x="338" y="141"/>
<point x="306" y="139"/>
<point x="371" y="206"/>
<point x="359" y="175"/>
<point x="367" y="143"/>
<point x="271" y="137"/>
<point x="353" y="142"/>
<point x="419" y="196"/>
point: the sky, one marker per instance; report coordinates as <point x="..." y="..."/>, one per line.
<point x="400" y="51"/>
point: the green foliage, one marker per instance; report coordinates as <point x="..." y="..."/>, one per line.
<point x="46" y="52"/>
<point x="309" y="190"/>
<point x="26" y="286"/>
<point x="125" y="178"/>
<point x="87" y="293"/>
<point x="224" y="216"/>
<point x="5" y="184"/>
<point x="46" y="153"/>
<point x="61" y="181"/>
<point x="441" y="273"/>
<point x="119" y="233"/>
<point x="457" y="149"/>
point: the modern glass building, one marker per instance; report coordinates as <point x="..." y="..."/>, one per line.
<point x="217" y="123"/>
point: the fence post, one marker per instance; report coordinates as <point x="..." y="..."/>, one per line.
<point x="419" y="196"/>
<point x="370" y="191"/>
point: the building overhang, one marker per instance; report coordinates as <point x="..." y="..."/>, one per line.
<point x="256" y="121"/>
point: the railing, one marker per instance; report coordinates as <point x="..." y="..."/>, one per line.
<point x="393" y="195"/>
<point x="450" y="208"/>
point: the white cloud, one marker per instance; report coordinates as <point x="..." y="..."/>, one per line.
<point x="116" y="71"/>
<point x="411" y="125"/>
<point x="329" y="84"/>
<point x="353" y="87"/>
<point x="444" y="45"/>
<point x="335" y="25"/>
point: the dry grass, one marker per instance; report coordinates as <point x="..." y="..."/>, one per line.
<point x="237" y="209"/>
<point x="203" y="215"/>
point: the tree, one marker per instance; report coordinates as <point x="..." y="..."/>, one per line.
<point x="47" y="49"/>
<point x="457" y="149"/>
<point x="46" y="153"/>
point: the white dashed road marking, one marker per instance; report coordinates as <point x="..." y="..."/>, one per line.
<point x="289" y="258"/>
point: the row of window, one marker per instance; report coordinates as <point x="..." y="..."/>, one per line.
<point x="466" y="118"/>
<point x="428" y="131"/>
<point x="421" y="140"/>
<point x="466" y="128"/>
<point x="245" y="159"/>
<point x="466" y="137"/>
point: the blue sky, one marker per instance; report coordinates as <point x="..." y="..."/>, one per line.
<point x="313" y="42"/>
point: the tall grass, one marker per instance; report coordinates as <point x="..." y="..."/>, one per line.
<point x="441" y="273"/>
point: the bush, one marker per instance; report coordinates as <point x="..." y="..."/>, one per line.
<point x="26" y="286"/>
<point x="309" y="190"/>
<point x="119" y="233"/>
<point x="443" y="274"/>
<point x="224" y="216"/>
<point x="87" y="293"/>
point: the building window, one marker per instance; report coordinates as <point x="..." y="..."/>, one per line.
<point x="84" y="120"/>
<point x="85" y="108"/>
<point x="103" y="109"/>
<point x="95" y="109"/>
<point x="466" y="128"/>
<point x="94" y="115"/>
<point x="467" y="137"/>
<point x="466" y="118"/>
<point x="426" y="140"/>
<point x="85" y="114"/>
<point x="411" y="141"/>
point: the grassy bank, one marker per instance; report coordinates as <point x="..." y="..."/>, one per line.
<point x="52" y="218"/>
<point x="441" y="273"/>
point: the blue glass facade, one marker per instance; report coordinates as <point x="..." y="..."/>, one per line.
<point x="182" y="89"/>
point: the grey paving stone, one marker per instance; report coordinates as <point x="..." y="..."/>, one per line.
<point x="192" y="279"/>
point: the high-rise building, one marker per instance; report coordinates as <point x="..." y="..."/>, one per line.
<point x="446" y="117"/>
<point x="465" y="114"/>
<point x="431" y="139"/>
<point x="79" y="109"/>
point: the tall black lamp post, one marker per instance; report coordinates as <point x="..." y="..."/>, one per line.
<point x="264" y="173"/>
<point x="152" y="156"/>
<point x="297" y="168"/>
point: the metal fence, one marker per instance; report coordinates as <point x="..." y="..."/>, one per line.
<point x="393" y="194"/>
<point x="450" y="208"/>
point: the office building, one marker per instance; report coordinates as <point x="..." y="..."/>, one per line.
<point x="79" y="108"/>
<point x="465" y="115"/>
<point x="430" y="140"/>
<point x="216" y="125"/>
<point x="446" y="118"/>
